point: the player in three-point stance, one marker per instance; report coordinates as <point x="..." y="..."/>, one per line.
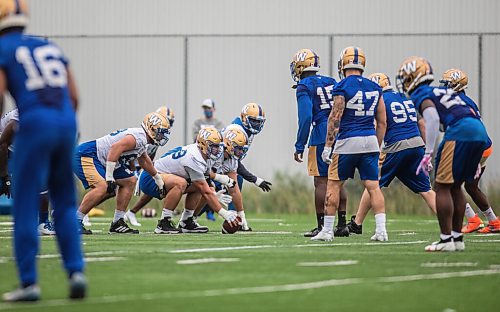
<point x="36" y="74"/>
<point x="459" y="154"/>
<point x="314" y="103"/>
<point x="458" y="80"/>
<point x="357" y="104"/>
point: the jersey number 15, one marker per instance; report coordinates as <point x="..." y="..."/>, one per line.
<point x="326" y="97"/>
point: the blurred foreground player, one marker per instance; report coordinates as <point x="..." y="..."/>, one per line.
<point x="36" y="74"/>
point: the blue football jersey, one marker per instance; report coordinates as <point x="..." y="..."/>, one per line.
<point x="314" y="101"/>
<point x="401" y="118"/>
<point x="449" y="105"/>
<point x="361" y="101"/>
<point x="470" y="102"/>
<point x="36" y="73"/>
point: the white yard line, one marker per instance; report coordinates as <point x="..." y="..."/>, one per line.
<point x="448" y="264"/>
<point x="483" y="241"/>
<point x="7" y="223"/>
<point x="483" y="235"/>
<point x="254" y="290"/>
<point x="7" y="230"/>
<point x="220" y="249"/>
<point x="264" y="220"/>
<point x="207" y="260"/>
<point x="407" y="234"/>
<point x="264" y="232"/>
<point x="363" y="244"/>
<point x="330" y="263"/>
<point x="104" y="259"/>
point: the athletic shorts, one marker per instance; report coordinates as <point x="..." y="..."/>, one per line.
<point x="486" y="154"/>
<point x="344" y="165"/>
<point x="457" y="161"/>
<point x="316" y="167"/>
<point x="148" y="185"/>
<point x="89" y="169"/>
<point x="403" y="165"/>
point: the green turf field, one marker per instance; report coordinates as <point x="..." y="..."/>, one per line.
<point x="272" y="269"/>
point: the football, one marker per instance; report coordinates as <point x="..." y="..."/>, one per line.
<point x="148" y="213"/>
<point x="228" y="228"/>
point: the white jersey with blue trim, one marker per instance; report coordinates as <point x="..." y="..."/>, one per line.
<point x="224" y="165"/>
<point x="104" y="145"/>
<point x="13" y="115"/>
<point x="176" y="160"/>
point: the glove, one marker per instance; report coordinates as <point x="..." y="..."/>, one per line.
<point x="111" y="187"/>
<point x="225" y="180"/>
<point x="263" y="184"/>
<point x="161" y="185"/>
<point x="162" y="191"/>
<point x="244" y="223"/>
<point x="229" y="216"/>
<point x="5" y="188"/>
<point x="326" y="156"/>
<point x="425" y="165"/>
<point x="478" y="171"/>
<point x="223" y="199"/>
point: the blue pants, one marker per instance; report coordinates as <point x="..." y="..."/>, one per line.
<point x="44" y="151"/>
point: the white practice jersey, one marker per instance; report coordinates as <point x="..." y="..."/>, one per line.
<point x="223" y="165"/>
<point x="13" y="115"/>
<point x="178" y="159"/>
<point x="104" y="145"/>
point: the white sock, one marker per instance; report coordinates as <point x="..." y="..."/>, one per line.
<point x="80" y="215"/>
<point x="490" y="215"/>
<point x="166" y="213"/>
<point x="130" y="211"/>
<point x="380" y="222"/>
<point x="118" y="215"/>
<point x="455" y="234"/>
<point x="469" y="212"/>
<point x="186" y="214"/>
<point x="328" y="222"/>
<point x="444" y="236"/>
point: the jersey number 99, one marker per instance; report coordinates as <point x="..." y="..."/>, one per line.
<point x="44" y="68"/>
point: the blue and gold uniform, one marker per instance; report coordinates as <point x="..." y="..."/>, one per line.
<point x="314" y="103"/>
<point x="37" y="79"/>
<point x="356" y="145"/>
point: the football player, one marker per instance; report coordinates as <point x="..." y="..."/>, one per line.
<point x="103" y="165"/>
<point x="183" y="171"/>
<point x="8" y="124"/>
<point x="314" y="103"/>
<point x="457" y="80"/>
<point x="459" y="154"/>
<point x="36" y="74"/>
<point x="401" y="152"/>
<point x="357" y="104"/>
<point x="151" y="149"/>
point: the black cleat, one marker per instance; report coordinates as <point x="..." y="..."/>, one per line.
<point x="166" y="226"/>
<point x="191" y="226"/>
<point x="353" y="227"/>
<point x="77" y="286"/>
<point x="121" y="227"/>
<point x="341" y="231"/>
<point x="312" y="232"/>
<point x="247" y="229"/>
<point x="82" y="230"/>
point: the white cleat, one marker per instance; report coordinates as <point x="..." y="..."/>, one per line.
<point x="459" y="243"/>
<point x="447" y="245"/>
<point x="86" y="221"/>
<point x="46" y="229"/>
<point x="130" y="217"/>
<point x="323" y="235"/>
<point x="30" y="293"/>
<point x="380" y="236"/>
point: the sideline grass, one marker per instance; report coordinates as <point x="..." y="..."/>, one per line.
<point x="265" y="271"/>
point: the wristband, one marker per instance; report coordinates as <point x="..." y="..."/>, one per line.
<point x="110" y="168"/>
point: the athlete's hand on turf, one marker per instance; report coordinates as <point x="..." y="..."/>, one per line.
<point x="425" y="165"/>
<point x="263" y="184"/>
<point x="111" y="187"/>
<point x="223" y="199"/>
<point x="478" y="172"/>
<point x="298" y="157"/>
<point x="5" y="188"/>
<point x="326" y="155"/>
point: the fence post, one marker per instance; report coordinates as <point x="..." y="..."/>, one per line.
<point x="186" y="85"/>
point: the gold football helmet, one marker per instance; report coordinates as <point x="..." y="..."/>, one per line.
<point x="303" y="60"/>
<point x="414" y="71"/>
<point x="382" y="80"/>
<point x="209" y="141"/>
<point x="157" y="128"/>
<point x="253" y="117"/>
<point x="455" y="79"/>
<point x="235" y="141"/>
<point x="167" y="113"/>
<point x="351" y="57"/>
<point x="13" y="13"/>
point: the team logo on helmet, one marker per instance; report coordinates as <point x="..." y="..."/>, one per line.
<point x="253" y="117"/>
<point x="235" y="142"/>
<point x="455" y="79"/>
<point x="209" y="140"/>
<point x="382" y="80"/>
<point x="303" y="60"/>
<point x="413" y="72"/>
<point x="157" y="128"/>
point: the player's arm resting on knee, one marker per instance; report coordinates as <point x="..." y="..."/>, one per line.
<point x="199" y="182"/>
<point x="73" y="91"/>
<point x="147" y="164"/>
<point x="431" y="119"/>
<point x="304" y="108"/>
<point x="125" y="144"/>
<point x="333" y="126"/>
<point x="381" y="119"/>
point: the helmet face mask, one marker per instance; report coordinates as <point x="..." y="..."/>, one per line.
<point x="215" y="150"/>
<point x="235" y="142"/>
<point x="253" y="118"/>
<point x="239" y="152"/>
<point x="162" y="136"/>
<point x="255" y="125"/>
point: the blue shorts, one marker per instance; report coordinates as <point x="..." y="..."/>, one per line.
<point x="344" y="165"/>
<point x="316" y="167"/>
<point x="148" y="185"/>
<point x="403" y="165"/>
<point x="457" y="161"/>
<point x="89" y="169"/>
